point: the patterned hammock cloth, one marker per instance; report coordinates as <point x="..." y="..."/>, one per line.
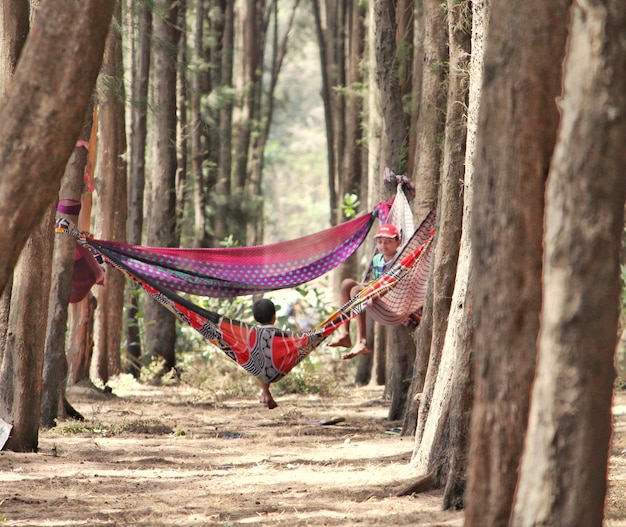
<point x="239" y="271"/>
<point x="265" y="352"/>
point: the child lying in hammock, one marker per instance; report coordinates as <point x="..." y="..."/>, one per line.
<point x="264" y="312"/>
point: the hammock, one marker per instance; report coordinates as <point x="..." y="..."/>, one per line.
<point x="238" y="271"/>
<point x="265" y="352"/>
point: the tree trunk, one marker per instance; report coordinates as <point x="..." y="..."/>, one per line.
<point x="140" y="75"/>
<point x="55" y="361"/>
<point x="563" y="476"/>
<point x="26" y="337"/>
<point x="516" y="136"/>
<point x="182" y="127"/>
<point x="437" y="385"/>
<point x="198" y="132"/>
<point x="112" y="204"/>
<point x="80" y="339"/>
<point x="161" y="232"/>
<point x="14" y="29"/>
<point x="223" y="186"/>
<point x="41" y="115"/>
<point x="460" y="331"/>
<point x="429" y="129"/>
<point x="14" y="25"/>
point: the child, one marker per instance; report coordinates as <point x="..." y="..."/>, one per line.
<point x="264" y="312"/>
<point x="387" y="245"/>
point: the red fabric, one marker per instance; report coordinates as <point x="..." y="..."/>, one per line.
<point x="87" y="273"/>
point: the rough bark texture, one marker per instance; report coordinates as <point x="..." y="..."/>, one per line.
<point x="431" y="118"/>
<point x="516" y="136"/>
<point x="429" y="130"/>
<point x="461" y="322"/>
<point x="394" y="40"/>
<point x="55" y="361"/>
<point x="137" y="137"/>
<point x="564" y="469"/>
<point x="42" y="112"/>
<point x="110" y="220"/>
<point x="14" y="27"/>
<point x="437" y="385"/>
<point x="26" y="338"/>
<point x="161" y="231"/>
<point x="223" y="184"/>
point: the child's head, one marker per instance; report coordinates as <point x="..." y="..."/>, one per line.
<point x="264" y="311"/>
<point x="387" y="240"/>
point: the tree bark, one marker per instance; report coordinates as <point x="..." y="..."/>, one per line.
<point x="460" y="330"/>
<point x="42" y="112"/>
<point x="137" y="138"/>
<point x="26" y="337"/>
<point x="161" y="231"/>
<point x="55" y="367"/>
<point x="438" y="383"/>
<point x="563" y="476"/>
<point x="112" y="205"/>
<point x="516" y="137"/>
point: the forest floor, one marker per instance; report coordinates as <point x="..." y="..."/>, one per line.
<point x="155" y="456"/>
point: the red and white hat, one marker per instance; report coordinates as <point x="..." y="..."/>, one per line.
<point x="387" y="230"/>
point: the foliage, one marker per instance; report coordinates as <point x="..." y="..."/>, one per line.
<point x="350" y="205"/>
<point x="98" y="428"/>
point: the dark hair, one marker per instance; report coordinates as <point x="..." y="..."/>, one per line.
<point x="263" y="310"/>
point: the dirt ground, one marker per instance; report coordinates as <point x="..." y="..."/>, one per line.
<point x="157" y="456"/>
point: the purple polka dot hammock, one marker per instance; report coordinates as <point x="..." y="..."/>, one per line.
<point x="265" y="352"/>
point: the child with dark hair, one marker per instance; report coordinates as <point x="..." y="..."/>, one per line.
<point x="264" y="312"/>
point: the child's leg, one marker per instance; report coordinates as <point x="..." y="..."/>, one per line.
<point x="342" y="339"/>
<point x="266" y="396"/>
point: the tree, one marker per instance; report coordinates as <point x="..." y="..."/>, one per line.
<point x="564" y="467"/>
<point x="41" y="121"/>
<point x="394" y="40"/>
<point x="55" y="368"/>
<point x="161" y="228"/>
<point x="141" y="19"/>
<point x="516" y="137"/>
<point x="45" y="126"/>
<point x="433" y="427"/>
<point x="111" y="210"/>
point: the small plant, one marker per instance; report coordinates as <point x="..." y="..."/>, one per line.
<point x="350" y="205"/>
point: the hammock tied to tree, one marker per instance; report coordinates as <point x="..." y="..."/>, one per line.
<point x="248" y="345"/>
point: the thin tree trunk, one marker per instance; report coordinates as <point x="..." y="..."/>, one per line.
<point x="437" y="385"/>
<point x="137" y="138"/>
<point x="55" y="367"/>
<point x="161" y="232"/>
<point x="79" y="349"/>
<point x="430" y="125"/>
<point x="112" y="207"/>
<point x="563" y="475"/>
<point x="223" y="185"/>
<point x="198" y="131"/>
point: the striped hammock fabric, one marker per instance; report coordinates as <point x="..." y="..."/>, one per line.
<point x="239" y="271"/>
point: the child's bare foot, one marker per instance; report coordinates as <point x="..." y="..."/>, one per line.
<point x="268" y="401"/>
<point x="341" y="341"/>
<point x="359" y="349"/>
